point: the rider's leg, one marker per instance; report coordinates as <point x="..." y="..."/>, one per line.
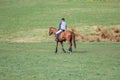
<point x="57" y="34"/>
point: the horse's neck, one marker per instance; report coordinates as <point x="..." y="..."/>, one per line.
<point x="55" y="30"/>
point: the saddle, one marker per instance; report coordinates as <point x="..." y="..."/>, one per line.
<point x="61" y="36"/>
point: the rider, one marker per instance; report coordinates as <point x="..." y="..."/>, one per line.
<point x="62" y="27"/>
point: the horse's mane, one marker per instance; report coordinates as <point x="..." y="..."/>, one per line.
<point x="53" y="28"/>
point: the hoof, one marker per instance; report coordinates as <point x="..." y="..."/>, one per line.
<point x="55" y="52"/>
<point x="70" y="52"/>
<point x="64" y="51"/>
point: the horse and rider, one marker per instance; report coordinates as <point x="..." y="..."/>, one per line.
<point x="62" y="34"/>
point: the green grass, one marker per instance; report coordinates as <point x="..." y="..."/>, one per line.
<point x="37" y="61"/>
<point x="29" y="20"/>
<point x="24" y="15"/>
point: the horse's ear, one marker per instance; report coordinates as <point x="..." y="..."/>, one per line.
<point x="51" y="26"/>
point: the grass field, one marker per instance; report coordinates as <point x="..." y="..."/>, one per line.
<point x="37" y="61"/>
<point x="19" y="19"/>
<point x="27" y="52"/>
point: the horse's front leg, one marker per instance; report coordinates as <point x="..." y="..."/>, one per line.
<point x="56" y="47"/>
<point x="63" y="47"/>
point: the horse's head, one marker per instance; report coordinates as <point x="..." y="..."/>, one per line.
<point x="52" y="31"/>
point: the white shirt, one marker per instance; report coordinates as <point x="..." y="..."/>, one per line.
<point x="63" y="25"/>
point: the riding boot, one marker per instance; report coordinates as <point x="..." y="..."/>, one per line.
<point x="56" y="39"/>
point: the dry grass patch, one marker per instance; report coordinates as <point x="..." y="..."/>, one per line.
<point x="35" y="35"/>
<point x="97" y="33"/>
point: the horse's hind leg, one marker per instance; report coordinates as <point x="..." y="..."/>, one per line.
<point x="62" y="47"/>
<point x="70" y="48"/>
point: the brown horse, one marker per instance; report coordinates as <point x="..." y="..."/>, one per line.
<point x="67" y="35"/>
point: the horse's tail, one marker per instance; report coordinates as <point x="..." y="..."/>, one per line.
<point x="73" y="37"/>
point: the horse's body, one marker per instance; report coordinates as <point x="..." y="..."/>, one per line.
<point x="66" y="35"/>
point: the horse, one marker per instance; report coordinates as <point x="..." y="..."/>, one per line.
<point x="66" y="35"/>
